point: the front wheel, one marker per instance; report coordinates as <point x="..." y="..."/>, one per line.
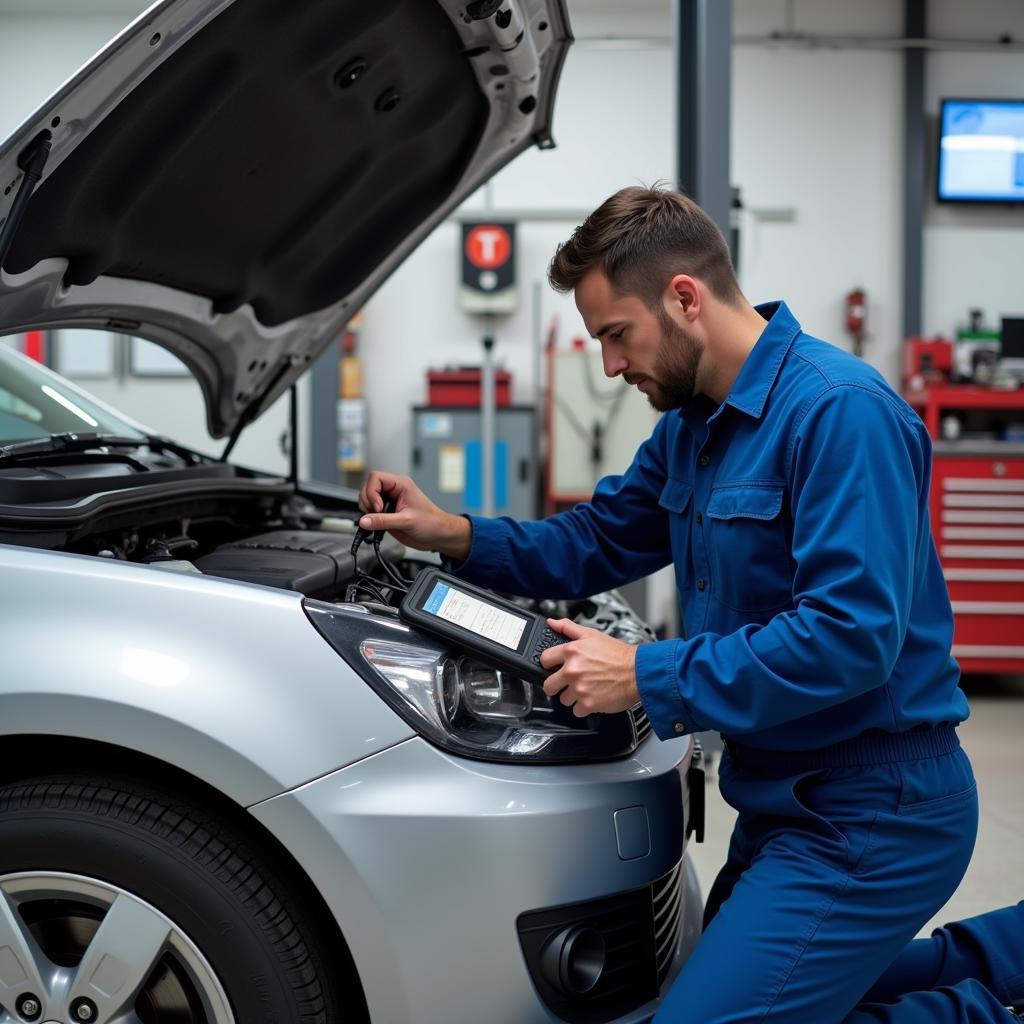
<point x="124" y="905"/>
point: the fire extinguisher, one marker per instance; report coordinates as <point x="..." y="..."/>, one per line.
<point x="856" y="315"/>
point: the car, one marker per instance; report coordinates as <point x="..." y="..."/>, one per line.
<point x="236" y="785"/>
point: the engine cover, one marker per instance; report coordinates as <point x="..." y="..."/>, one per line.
<point x="312" y="562"/>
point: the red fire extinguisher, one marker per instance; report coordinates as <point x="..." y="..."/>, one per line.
<point x="856" y="315"/>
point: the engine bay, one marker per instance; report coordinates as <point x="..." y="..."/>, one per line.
<point x="295" y="540"/>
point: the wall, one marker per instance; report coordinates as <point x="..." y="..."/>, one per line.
<point x="816" y="135"/>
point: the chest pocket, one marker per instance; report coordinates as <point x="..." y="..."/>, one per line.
<point x="748" y="548"/>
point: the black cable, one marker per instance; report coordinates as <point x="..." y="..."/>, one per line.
<point x="378" y="538"/>
<point x="366" y="585"/>
<point x="362" y="581"/>
<point x="402" y="583"/>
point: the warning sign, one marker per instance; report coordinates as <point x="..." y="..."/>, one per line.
<point x="488" y="268"/>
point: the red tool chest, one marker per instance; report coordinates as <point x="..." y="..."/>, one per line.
<point x="462" y="387"/>
<point x="977" y="510"/>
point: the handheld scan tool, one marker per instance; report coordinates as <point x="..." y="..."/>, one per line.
<point x="491" y="628"/>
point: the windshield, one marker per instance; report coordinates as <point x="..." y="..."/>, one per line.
<point x="36" y="402"/>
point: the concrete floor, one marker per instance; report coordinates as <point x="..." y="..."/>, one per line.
<point x="994" y="739"/>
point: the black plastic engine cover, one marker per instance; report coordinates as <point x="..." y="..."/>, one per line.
<point x="312" y="562"/>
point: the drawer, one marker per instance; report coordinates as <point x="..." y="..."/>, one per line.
<point x="978" y="514"/>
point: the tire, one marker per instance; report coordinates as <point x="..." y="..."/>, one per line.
<point x="158" y="902"/>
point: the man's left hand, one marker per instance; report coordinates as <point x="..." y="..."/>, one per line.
<point x="592" y="673"/>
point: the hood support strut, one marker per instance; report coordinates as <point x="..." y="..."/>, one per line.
<point x="32" y="159"/>
<point x="293" y="422"/>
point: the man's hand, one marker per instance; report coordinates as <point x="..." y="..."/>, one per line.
<point x="594" y="672"/>
<point x="416" y="522"/>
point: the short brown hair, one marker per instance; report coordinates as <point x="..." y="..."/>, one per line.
<point x="642" y="237"/>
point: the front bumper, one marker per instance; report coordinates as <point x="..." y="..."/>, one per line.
<point x="428" y="861"/>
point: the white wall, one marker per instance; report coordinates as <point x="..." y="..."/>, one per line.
<point x="816" y="133"/>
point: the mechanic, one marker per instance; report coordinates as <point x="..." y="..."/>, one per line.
<point x="967" y="971"/>
<point x="788" y="486"/>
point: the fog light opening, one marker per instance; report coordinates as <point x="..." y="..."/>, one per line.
<point x="573" y="960"/>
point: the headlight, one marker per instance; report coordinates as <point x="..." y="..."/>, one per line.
<point x="460" y="704"/>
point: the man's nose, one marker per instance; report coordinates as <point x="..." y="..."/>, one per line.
<point x="613" y="364"/>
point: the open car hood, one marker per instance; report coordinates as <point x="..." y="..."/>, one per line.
<point x="232" y="179"/>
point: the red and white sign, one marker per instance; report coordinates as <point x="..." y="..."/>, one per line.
<point x="488" y="246"/>
<point x="488" y="267"/>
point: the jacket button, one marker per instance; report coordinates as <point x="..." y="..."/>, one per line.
<point x="700" y="519"/>
<point x="701" y="584"/>
<point x="704" y="460"/>
<point x="679" y="727"/>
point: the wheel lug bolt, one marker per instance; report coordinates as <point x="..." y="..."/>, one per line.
<point x="28" y="1007"/>
<point x="83" y="1010"/>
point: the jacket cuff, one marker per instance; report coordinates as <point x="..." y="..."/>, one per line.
<point x="488" y="550"/>
<point x="656" y="675"/>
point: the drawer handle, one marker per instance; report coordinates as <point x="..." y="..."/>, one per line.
<point x="953" y="483"/>
<point x="980" y="551"/>
<point x="984" y="651"/>
<point x="982" y="533"/>
<point x="982" y="501"/>
<point x="983" y="516"/>
<point x="988" y="607"/>
<point x="984" y="575"/>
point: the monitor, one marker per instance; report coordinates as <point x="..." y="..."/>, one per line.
<point x="981" y="151"/>
<point x="1012" y="338"/>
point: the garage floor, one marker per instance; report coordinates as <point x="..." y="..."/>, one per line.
<point x="994" y="739"/>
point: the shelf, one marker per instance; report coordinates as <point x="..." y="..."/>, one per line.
<point x="932" y="402"/>
<point x="983" y="448"/>
<point x="966" y="396"/>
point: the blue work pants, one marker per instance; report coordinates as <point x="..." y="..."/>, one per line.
<point x="837" y="859"/>
<point x="966" y="972"/>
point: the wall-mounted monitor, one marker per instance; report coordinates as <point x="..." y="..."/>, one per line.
<point x="981" y="151"/>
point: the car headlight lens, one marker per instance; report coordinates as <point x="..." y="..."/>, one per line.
<point x="460" y="704"/>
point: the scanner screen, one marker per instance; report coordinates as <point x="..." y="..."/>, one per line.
<point x="479" y="617"/>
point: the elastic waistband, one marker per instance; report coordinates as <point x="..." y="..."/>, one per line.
<point x="873" y="747"/>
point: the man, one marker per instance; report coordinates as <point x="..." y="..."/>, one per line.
<point x="788" y="485"/>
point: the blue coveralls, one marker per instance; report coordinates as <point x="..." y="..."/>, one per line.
<point x="817" y="641"/>
<point x="967" y="971"/>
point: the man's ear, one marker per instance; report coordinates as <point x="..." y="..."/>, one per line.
<point x="684" y="292"/>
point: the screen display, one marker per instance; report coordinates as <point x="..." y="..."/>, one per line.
<point x="981" y="151"/>
<point x="479" y="617"/>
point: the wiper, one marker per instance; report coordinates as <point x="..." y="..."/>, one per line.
<point x="59" y="444"/>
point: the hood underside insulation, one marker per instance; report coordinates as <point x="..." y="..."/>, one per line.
<point x="274" y="159"/>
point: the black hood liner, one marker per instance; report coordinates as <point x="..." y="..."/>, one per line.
<point x="243" y="171"/>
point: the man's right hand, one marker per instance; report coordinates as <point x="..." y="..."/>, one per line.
<point x="416" y="522"/>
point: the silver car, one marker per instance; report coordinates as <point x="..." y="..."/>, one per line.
<point x="236" y="787"/>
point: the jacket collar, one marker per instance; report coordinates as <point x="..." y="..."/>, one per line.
<point x="751" y="388"/>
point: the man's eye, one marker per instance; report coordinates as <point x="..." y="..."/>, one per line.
<point x="617" y="335"/>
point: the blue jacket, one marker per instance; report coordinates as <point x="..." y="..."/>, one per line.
<point x="796" y="516"/>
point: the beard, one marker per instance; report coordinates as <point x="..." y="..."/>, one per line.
<point x="673" y="381"/>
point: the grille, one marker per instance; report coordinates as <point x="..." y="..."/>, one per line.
<point x="640" y="929"/>
<point x="667" y="901"/>
<point x="641" y="723"/>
